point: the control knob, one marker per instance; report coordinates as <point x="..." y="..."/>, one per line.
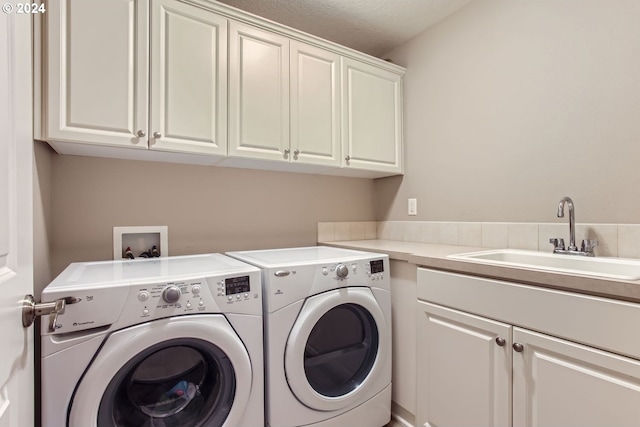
<point x="342" y="271"/>
<point x="171" y="294"/>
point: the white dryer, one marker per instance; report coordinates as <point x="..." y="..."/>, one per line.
<point x="327" y="336"/>
<point x="165" y="342"/>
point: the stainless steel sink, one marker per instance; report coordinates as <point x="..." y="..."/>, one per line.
<point x="612" y="268"/>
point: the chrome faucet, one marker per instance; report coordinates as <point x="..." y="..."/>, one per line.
<point x="572" y="221"/>
<point x="558" y="244"/>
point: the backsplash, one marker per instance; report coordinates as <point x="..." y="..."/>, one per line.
<point x="615" y="240"/>
<point x="340" y="231"/>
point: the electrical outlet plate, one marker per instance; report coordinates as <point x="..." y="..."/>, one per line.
<point x="140" y="239"/>
<point x="413" y="207"/>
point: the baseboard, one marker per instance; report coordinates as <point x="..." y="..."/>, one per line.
<point x="398" y="421"/>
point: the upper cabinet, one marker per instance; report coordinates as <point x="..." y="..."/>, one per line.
<point x="201" y="82"/>
<point x="107" y="88"/>
<point x="98" y="73"/>
<point x="372" y="125"/>
<point x="315" y="105"/>
<point x="259" y="88"/>
<point x="188" y="104"/>
<point x="285" y="100"/>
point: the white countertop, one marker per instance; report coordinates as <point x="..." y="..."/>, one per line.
<point x="435" y="256"/>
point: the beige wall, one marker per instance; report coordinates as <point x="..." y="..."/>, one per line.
<point x="511" y="105"/>
<point x="207" y="209"/>
<point x="42" y="226"/>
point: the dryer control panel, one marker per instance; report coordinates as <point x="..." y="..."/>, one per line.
<point x="374" y="269"/>
<point x="285" y="285"/>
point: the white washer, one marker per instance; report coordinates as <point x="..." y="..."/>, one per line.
<point x="165" y="342"/>
<point x="327" y="314"/>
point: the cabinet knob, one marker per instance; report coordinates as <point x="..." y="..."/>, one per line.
<point x="286" y="152"/>
<point x="518" y="347"/>
<point x="296" y="152"/>
<point x="501" y="341"/>
<point x="141" y="134"/>
<point x="347" y="158"/>
<point x="157" y="135"/>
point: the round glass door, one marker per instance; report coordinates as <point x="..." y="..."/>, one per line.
<point x="341" y="350"/>
<point x="180" y="382"/>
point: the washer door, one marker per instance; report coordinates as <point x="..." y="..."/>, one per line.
<point x="186" y="371"/>
<point x="333" y="350"/>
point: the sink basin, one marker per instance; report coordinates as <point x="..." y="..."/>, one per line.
<point x="611" y="268"/>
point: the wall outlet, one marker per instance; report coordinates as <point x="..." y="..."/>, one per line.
<point x="413" y="207"/>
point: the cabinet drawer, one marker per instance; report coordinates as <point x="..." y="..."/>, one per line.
<point x="595" y="321"/>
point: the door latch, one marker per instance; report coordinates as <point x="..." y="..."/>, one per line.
<point x="31" y="310"/>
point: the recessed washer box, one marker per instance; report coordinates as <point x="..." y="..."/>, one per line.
<point x="140" y="239"/>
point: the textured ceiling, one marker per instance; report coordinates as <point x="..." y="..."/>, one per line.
<point x="371" y="26"/>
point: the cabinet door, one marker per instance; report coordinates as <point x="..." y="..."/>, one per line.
<point x="315" y="105"/>
<point x="403" y="324"/>
<point x="559" y="383"/>
<point x="372" y="118"/>
<point x="463" y="374"/>
<point x="97" y="75"/>
<point x="258" y="93"/>
<point x="188" y="103"/>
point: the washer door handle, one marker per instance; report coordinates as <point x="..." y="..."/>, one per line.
<point x="282" y="273"/>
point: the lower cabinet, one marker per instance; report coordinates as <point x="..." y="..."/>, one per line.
<point x="476" y="371"/>
<point x="403" y="324"/>
<point x="463" y="376"/>
<point x="557" y="382"/>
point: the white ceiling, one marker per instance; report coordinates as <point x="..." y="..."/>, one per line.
<point x="371" y="26"/>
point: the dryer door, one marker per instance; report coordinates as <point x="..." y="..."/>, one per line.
<point x="333" y="356"/>
<point x="182" y="371"/>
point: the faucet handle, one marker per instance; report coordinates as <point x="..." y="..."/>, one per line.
<point x="588" y="245"/>
<point x="558" y="243"/>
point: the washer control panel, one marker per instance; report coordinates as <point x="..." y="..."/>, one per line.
<point x="119" y="294"/>
<point x="166" y="299"/>
<point x="235" y="288"/>
<point x="239" y="293"/>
